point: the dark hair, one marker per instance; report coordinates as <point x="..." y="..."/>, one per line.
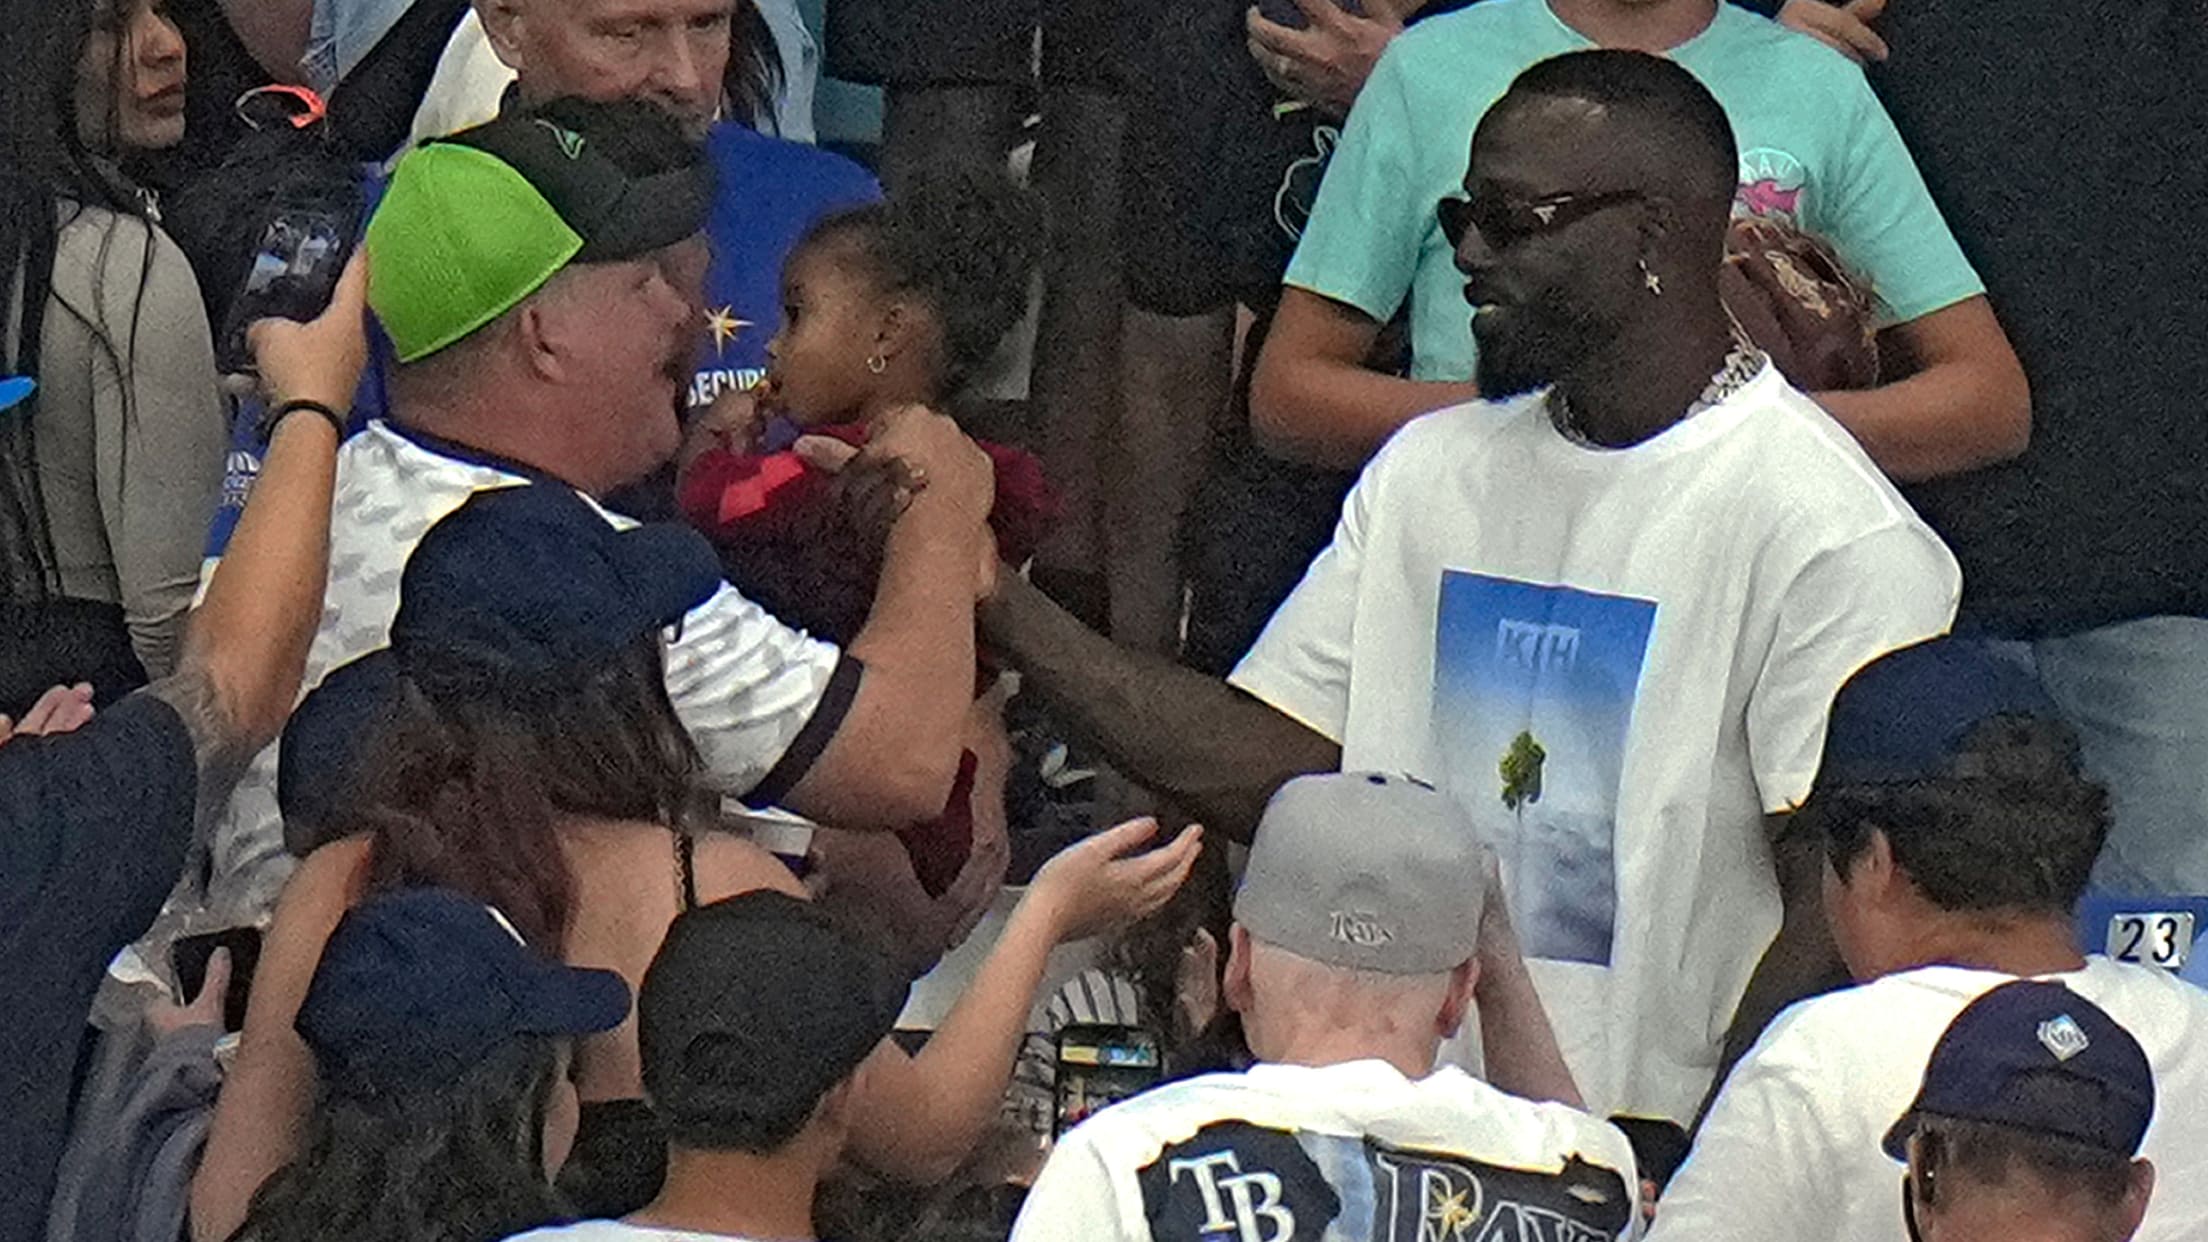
<point x="755" y="74"/>
<point x="469" y="795"/>
<point x="1149" y="952"/>
<point x="965" y="243"/>
<point x="1986" y="1154"/>
<point x="44" y="168"/>
<point x="2011" y="823"/>
<point x="464" y="1164"/>
<point x="749" y="1130"/>
<point x="1653" y="88"/>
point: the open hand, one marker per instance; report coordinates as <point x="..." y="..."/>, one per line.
<point x="320" y="360"/>
<point x="1327" y="62"/>
<point x="63" y="709"/>
<point x="1100" y="885"/>
<point x="1845" y="27"/>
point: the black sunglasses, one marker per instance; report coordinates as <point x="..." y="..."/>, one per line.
<point x="1504" y="224"/>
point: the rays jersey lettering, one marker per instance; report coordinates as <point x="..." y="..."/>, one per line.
<point x="1237" y="1182"/>
<point x="1425" y="1197"/>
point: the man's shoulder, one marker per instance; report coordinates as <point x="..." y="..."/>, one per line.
<point x="2163" y="1011"/>
<point x="1476" y="33"/>
<point x="1740" y="41"/>
<point x="1454" y="433"/>
<point x="1792" y="456"/>
<point x="1868" y="1015"/>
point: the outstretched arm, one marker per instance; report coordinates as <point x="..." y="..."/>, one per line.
<point x="1210" y="747"/>
<point x="246" y="646"/>
<point x="920" y="1116"/>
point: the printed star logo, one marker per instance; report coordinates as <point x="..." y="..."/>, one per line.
<point x="722" y="322"/>
<point x="1449" y="1217"/>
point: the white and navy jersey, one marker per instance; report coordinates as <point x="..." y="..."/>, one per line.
<point x="1341" y="1153"/>
<point x="760" y="700"/>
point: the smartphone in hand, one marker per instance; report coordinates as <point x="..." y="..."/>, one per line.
<point x="189" y="957"/>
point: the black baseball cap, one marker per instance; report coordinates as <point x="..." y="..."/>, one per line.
<point x="474" y="223"/>
<point x="1903" y="716"/>
<point x="513" y="597"/>
<point x="417" y="987"/>
<point x="757" y="1007"/>
<point x="2037" y="1057"/>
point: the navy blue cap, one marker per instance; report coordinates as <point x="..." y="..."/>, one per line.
<point x="15" y="389"/>
<point x="1902" y="716"/>
<point x="417" y="987"/>
<point x="2037" y="1057"/>
<point x="510" y="598"/>
<point x="523" y="584"/>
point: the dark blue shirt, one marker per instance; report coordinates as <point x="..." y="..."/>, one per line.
<point x="770" y="192"/>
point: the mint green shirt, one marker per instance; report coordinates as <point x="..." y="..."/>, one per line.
<point x="1815" y="145"/>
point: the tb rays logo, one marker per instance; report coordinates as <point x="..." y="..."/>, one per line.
<point x="1246" y="1203"/>
<point x="1772" y="185"/>
<point x="1429" y="1197"/>
<point x="1236" y="1182"/>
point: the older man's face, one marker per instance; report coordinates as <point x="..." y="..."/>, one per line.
<point x="668" y="52"/>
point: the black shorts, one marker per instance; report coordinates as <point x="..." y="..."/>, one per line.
<point x="917" y="43"/>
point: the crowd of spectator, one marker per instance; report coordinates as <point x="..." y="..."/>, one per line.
<point x="1350" y="619"/>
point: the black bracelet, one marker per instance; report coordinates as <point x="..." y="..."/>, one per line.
<point x="278" y="413"/>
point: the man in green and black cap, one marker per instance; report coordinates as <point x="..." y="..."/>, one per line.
<point x="538" y="279"/>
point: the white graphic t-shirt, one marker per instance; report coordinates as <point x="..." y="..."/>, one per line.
<point x="1792" y="1147"/>
<point x="1619" y="661"/>
<point x="1340" y="1153"/>
<point x="742" y="682"/>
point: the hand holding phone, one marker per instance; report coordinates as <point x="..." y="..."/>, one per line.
<point x="295" y="268"/>
<point x="191" y="956"/>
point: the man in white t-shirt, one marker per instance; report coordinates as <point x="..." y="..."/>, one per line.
<point x="1606" y="610"/>
<point x="750" y="1062"/>
<point x="1960" y="834"/>
<point x="538" y="280"/>
<point x="1361" y="937"/>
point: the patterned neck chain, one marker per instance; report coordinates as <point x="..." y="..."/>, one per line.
<point x="1742" y="363"/>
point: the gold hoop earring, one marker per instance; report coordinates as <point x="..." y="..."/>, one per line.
<point x="876" y="364"/>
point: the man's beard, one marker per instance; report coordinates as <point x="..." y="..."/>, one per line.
<point x="1525" y="347"/>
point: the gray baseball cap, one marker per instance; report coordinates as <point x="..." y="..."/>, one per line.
<point x="1366" y="872"/>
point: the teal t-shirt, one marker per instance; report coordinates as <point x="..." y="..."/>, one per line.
<point x="1815" y="145"/>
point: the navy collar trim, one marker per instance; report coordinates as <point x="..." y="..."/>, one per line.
<point x="471" y="455"/>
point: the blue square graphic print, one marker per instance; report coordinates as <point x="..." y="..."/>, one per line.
<point x="1534" y="688"/>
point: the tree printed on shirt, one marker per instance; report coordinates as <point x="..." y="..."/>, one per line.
<point x="1521" y="772"/>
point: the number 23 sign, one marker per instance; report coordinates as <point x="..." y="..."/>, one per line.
<point x="2163" y="932"/>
